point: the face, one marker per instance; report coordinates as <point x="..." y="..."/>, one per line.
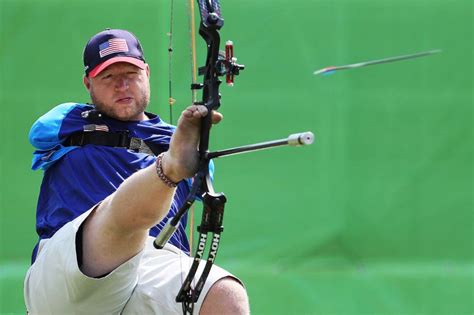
<point x="121" y="91"/>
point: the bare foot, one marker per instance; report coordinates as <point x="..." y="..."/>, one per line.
<point x="182" y="158"/>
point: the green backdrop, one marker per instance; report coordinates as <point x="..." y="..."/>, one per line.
<point x="375" y="218"/>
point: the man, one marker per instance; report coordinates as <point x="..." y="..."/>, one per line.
<point x="105" y="196"/>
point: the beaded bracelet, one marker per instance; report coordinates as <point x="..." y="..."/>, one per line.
<point x="159" y="170"/>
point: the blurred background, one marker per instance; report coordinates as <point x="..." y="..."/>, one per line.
<point x="376" y="217"/>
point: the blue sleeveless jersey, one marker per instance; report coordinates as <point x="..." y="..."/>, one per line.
<point x="76" y="178"/>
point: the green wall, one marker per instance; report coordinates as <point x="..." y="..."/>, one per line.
<point x="375" y="218"/>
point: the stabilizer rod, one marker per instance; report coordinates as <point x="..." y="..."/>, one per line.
<point x="297" y="139"/>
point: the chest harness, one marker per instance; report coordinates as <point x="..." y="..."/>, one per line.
<point x="99" y="134"/>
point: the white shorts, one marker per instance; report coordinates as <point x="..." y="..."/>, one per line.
<point x="146" y="284"/>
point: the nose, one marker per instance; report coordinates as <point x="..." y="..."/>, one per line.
<point x="121" y="83"/>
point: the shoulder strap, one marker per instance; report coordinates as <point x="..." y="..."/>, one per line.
<point x="119" y="139"/>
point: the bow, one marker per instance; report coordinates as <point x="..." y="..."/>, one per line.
<point x="218" y="64"/>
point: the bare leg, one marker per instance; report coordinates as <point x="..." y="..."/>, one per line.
<point x="118" y="228"/>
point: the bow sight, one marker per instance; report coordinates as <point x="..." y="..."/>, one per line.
<point x="226" y="65"/>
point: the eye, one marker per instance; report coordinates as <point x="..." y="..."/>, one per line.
<point x="132" y="75"/>
<point x="106" y="76"/>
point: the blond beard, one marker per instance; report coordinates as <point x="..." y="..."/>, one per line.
<point x="142" y="103"/>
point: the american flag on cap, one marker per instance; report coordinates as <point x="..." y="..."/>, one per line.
<point x="112" y="46"/>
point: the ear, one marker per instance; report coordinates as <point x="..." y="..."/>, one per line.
<point x="86" y="82"/>
<point x="147" y="70"/>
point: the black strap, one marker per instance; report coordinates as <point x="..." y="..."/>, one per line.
<point x="119" y="139"/>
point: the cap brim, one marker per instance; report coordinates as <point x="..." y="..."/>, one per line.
<point x="134" y="61"/>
